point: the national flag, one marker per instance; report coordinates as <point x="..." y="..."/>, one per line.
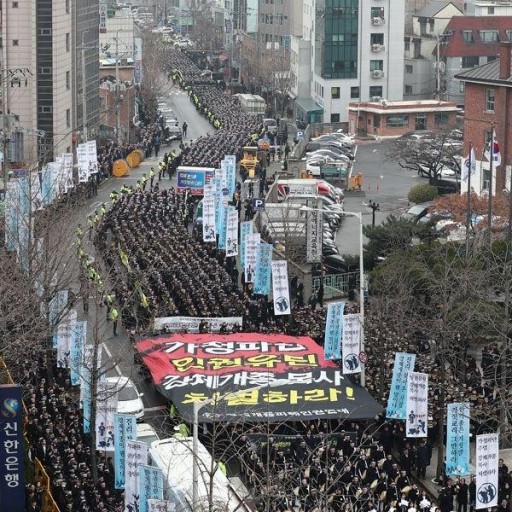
<point x="496" y="155"/>
<point x="469" y="163"/>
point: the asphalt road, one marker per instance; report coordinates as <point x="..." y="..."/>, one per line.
<point x="384" y="182"/>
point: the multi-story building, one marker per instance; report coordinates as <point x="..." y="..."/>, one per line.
<point x="357" y="54"/>
<point x="488" y="103"/>
<point x="423" y="71"/>
<point x="472" y="41"/>
<point x="40" y="80"/>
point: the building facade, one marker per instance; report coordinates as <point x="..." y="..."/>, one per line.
<point x="488" y="103"/>
<point x="357" y="54"/>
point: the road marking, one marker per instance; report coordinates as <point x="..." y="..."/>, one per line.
<point x="155" y="408"/>
<point x="94" y="207"/>
<point x="109" y="354"/>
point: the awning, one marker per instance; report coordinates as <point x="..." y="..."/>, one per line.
<point x="308" y="105"/>
<point x="259" y="377"/>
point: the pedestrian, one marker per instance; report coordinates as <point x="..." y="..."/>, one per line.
<point x="151" y="177"/>
<point x="144" y="181"/>
<point x="184" y="129"/>
<point x="114" y="316"/>
<point x="286" y="151"/>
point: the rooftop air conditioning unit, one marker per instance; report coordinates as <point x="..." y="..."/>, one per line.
<point x="377" y="73"/>
<point x="377" y="21"/>
<point x="377" y="47"/>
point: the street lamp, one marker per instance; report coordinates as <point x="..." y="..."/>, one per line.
<point x="117" y="100"/>
<point x="359" y="215"/>
<point x="197" y="406"/>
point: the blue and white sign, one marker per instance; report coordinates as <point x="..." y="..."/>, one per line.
<point x="487" y="458"/>
<point x="416" y="422"/>
<point x="251" y="245"/>
<point x="232" y="232"/>
<point x="151" y="486"/>
<point x="78" y="338"/>
<point x="12" y="470"/>
<point x="194" y="179"/>
<point x="209" y="209"/>
<point x="351" y="343"/>
<point x="221" y="243"/>
<point x="457" y="439"/>
<point x="333" y="330"/>
<point x="125" y="427"/>
<point x="136" y="455"/>
<point x="397" y="403"/>
<point x="258" y="204"/>
<point x="246" y="228"/>
<point x="263" y="272"/>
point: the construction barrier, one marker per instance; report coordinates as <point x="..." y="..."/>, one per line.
<point x="49" y="504"/>
<point x="120" y="168"/>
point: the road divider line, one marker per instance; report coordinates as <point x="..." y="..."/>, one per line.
<point x="109" y="354"/>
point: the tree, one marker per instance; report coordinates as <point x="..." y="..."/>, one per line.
<point x="427" y="154"/>
<point x="422" y="193"/>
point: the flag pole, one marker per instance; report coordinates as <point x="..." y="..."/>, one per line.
<point x="491" y="165"/>
<point x="468" y="198"/>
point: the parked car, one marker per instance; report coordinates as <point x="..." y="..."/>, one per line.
<point x="129" y="400"/>
<point x="416" y="212"/>
<point x="443" y="172"/>
<point x="146" y="433"/>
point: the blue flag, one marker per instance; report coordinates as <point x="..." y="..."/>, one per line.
<point x="457" y="439"/>
<point x="263" y="272"/>
<point x="151" y="486"/>
<point x="397" y="403"/>
<point x="334" y="330"/>
<point x="246" y="228"/>
<point x="78" y="338"/>
<point x="223" y="225"/>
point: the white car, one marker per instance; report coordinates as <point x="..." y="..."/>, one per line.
<point x="146" y="433"/>
<point x="129" y="400"/>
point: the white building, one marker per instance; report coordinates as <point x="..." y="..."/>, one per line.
<point x="356" y="54"/>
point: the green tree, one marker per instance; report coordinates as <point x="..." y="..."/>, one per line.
<point x="422" y="193"/>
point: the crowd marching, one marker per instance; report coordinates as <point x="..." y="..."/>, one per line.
<point x="153" y="266"/>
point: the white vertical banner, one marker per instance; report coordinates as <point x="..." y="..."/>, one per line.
<point x="314" y="230"/>
<point x="280" y="287"/>
<point x="136" y="454"/>
<point x="92" y="156"/>
<point x="61" y="176"/>
<point x="487" y="456"/>
<point x="209" y="221"/>
<point x="161" y="506"/>
<point x="351" y="343"/>
<point x="232" y="232"/>
<point x="416" y="421"/>
<point x="106" y="408"/>
<point x="65" y="332"/>
<point x="251" y="245"/>
<point x="82" y="163"/>
<point x="68" y="171"/>
<point x="36" y="195"/>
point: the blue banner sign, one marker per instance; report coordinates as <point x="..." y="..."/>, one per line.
<point x="263" y="272"/>
<point x="334" y="330"/>
<point x="125" y="427"/>
<point x="457" y="439"/>
<point x="397" y="406"/>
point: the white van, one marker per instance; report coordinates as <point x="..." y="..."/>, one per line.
<point x="174" y="457"/>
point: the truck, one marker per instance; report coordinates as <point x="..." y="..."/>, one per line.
<point x="174" y="456"/>
<point x="252" y="104"/>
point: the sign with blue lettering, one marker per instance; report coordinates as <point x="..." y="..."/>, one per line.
<point x="12" y="470"/>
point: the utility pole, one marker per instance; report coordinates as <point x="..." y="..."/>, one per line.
<point x="375" y="207"/>
<point x="117" y="88"/>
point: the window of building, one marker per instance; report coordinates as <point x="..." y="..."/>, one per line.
<point x="489" y="36"/>
<point x="376" y="90"/>
<point x="15" y="5"/>
<point x="45" y="109"/>
<point x="45" y="31"/>
<point x="509" y="35"/>
<point x="354" y="92"/>
<point x="67" y="6"/>
<point x="67" y="42"/>
<point x="377" y="12"/>
<point x="376" y="65"/>
<point x="420" y="122"/>
<point x="407" y="46"/>
<point x="376" y="38"/>
<point x="470" y="62"/>
<point x="408" y="68"/>
<point x="335" y="93"/>
<point x="397" y="121"/>
<point x="44" y="70"/>
<point x="15" y="42"/>
<point x="490" y="100"/>
<point x="335" y="118"/>
<point x="68" y="118"/>
<point x="441" y="119"/>
<point x="468" y="36"/>
<point x="68" y="80"/>
<point x="408" y="89"/>
<point x="490" y="10"/>
<point x="490" y="58"/>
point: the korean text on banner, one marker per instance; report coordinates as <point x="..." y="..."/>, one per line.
<point x="232" y="232"/>
<point x="125" y="427"/>
<point x="219" y="180"/>
<point x="333" y="330"/>
<point x="262" y="274"/>
<point x="457" y="440"/>
<point x="191" y="323"/>
<point x="92" y="156"/>
<point x="65" y="332"/>
<point x="151" y="486"/>
<point x="222" y="227"/>
<point x="12" y="482"/>
<point x="82" y="162"/>
<point x="416" y="423"/>
<point x="404" y="363"/>
<point x="351" y="343"/>
<point x="85" y="386"/>
<point x="106" y="407"/>
<point x="136" y="454"/>
<point x="314" y="230"/>
<point x="78" y="339"/>
<point x="246" y="228"/>
<point x="161" y="506"/>
<point x="280" y="288"/>
<point x="209" y="222"/>
<point x="487" y="457"/>
<point x="251" y="246"/>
